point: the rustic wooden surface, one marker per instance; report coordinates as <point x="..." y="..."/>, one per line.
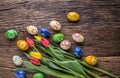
<point x="99" y="23"/>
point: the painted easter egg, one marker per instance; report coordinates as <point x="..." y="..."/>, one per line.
<point x="32" y="30"/>
<point x="73" y="16"/>
<point x="22" y="45"/>
<point x="91" y="60"/>
<point x="78" y="37"/>
<point x="58" y="37"/>
<point x="38" y="75"/>
<point x="44" y="32"/>
<point x="77" y="51"/>
<point x="55" y="25"/>
<point x="11" y="34"/>
<point x="17" y="60"/>
<point x="20" y="74"/>
<point x="65" y="45"/>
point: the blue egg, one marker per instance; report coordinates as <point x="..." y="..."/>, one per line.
<point x="44" y="32"/>
<point x="78" y="51"/>
<point x="20" y="74"/>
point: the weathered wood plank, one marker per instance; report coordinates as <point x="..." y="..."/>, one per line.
<point x="99" y="23"/>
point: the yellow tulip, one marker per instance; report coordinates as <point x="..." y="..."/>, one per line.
<point x="22" y="45"/>
<point x="37" y="38"/>
<point x="91" y="60"/>
<point x="36" y="55"/>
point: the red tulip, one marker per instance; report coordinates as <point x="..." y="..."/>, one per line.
<point x="30" y="41"/>
<point x="45" y="42"/>
<point x="35" y="61"/>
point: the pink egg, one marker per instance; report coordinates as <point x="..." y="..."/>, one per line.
<point x="65" y="45"/>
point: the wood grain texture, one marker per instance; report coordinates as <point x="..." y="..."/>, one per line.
<point x="99" y="23"/>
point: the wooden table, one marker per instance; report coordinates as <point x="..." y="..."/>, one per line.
<point x="99" y="23"/>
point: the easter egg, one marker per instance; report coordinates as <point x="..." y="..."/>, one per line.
<point x="78" y="37"/>
<point x="20" y="74"/>
<point x="44" y="32"/>
<point x="91" y="60"/>
<point x="22" y="45"/>
<point x="77" y="51"/>
<point x="32" y="30"/>
<point x="17" y="60"/>
<point x="55" y="25"/>
<point x="65" y="45"/>
<point x="38" y="75"/>
<point x="11" y="34"/>
<point x="73" y="16"/>
<point x="58" y="37"/>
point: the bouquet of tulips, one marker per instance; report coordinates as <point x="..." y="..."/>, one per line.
<point x="48" y="58"/>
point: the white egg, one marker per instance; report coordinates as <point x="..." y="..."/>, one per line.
<point x="32" y="30"/>
<point x="55" y="25"/>
<point x="78" y="37"/>
<point x="65" y="45"/>
<point x="17" y="60"/>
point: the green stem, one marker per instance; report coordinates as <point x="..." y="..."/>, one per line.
<point x="35" y="48"/>
<point x="97" y="69"/>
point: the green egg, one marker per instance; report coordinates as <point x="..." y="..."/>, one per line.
<point x="11" y="34"/>
<point x="58" y="37"/>
<point x="38" y="75"/>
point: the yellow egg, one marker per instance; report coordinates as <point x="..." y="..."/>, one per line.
<point x="73" y="16"/>
<point x="91" y="60"/>
<point x="22" y="45"/>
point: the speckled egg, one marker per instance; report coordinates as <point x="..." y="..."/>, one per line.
<point x="17" y="60"/>
<point x="55" y="25"/>
<point x="78" y="37"/>
<point x="65" y="45"/>
<point x="32" y="30"/>
<point x="58" y="37"/>
<point x="73" y="16"/>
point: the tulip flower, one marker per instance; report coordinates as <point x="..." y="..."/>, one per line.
<point x="78" y="51"/>
<point x="35" y="61"/>
<point x="45" y="42"/>
<point x="37" y="38"/>
<point x="36" y="55"/>
<point x="30" y="41"/>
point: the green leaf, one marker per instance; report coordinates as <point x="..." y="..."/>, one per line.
<point x="46" y="70"/>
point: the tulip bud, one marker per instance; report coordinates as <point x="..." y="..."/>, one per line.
<point x="35" y="61"/>
<point x="37" y="38"/>
<point x="78" y="51"/>
<point x="30" y="41"/>
<point x="45" y="42"/>
<point x="36" y="55"/>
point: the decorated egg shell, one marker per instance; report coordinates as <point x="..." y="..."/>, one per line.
<point x="11" y="34"/>
<point x="65" y="45"/>
<point x="91" y="60"/>
<point x="78" y="51"/>
<point x="20" y="74"/>
<point x="55" y="25"/>
<point x="38" y="75"/>
<point x="73" y="16"/>
<point x="32" y="30"/>
<point x="17" y="60"/>
<point x="58" y="37"/>
<point x="78" y="37"/>
<point x="44" y="32"/>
